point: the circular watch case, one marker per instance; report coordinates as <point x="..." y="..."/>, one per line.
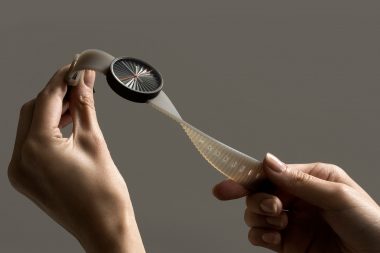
<point x="134" y="79"/>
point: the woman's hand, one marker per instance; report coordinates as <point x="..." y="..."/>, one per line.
<point x="74" y="180"/>
<point x="327" y="210"/>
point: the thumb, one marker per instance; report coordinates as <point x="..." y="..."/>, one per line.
<point x="82" y="107"/>
<point x="316" y="191"/>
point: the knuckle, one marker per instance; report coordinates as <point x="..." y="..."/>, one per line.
<point x="299" y="177"/>
<point x="87" y="100"/>
<point x="43" y="94"/>
<point x="343" y="191"/>
<point x="330" y="166"/>
<point x="334" y="167"/>
<point x="92" y="142"/>
<point x="332" y="172"/>
<point x="320" y="165"/>
<point x="336" y="170"/>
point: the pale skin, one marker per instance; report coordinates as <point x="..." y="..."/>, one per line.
<point x="326" y="210"/>
<point x="75" y="181"/>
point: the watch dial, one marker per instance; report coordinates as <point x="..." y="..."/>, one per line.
<point x="137" y="75"/>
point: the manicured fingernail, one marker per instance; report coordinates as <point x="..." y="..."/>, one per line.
<point x="268" y="206"/>
<point x="272" y="238"/>
<point x="274" y="163"/>
<point x="89" y="78"/>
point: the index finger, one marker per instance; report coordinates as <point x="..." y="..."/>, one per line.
<point x="228" y="190"/>
<point x="48" y="105"/>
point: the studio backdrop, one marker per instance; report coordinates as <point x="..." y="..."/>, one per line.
<point x="299" y="79"/>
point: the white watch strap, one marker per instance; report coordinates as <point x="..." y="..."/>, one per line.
<point x="94" y="59"/>
<point x="232" y="163"/>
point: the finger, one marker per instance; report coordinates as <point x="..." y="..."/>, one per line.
<point x="228" y="190"/>
<point x="26" y="115"/>
<point x="267" y="238"/>
<point x="263" y="221"/>
<point x="65" y="107"/>
<point x="330" y="172"/>
<point x="82" y="105"/>
<point x="316" y="191"/>
<point x="48" y="107"/>
<point x="264" y="204"/>
<point x="66" y="116"/>
<point x="65" y="120"/>
<point x="19" y="178"/>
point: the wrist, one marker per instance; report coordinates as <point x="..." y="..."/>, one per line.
<point x="119" y="235"/>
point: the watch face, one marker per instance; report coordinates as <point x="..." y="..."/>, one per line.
<point x="136" y="75"/>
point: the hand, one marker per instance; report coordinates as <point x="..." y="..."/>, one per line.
<point x="74" y="180"/>
<point x="328" y="211"/>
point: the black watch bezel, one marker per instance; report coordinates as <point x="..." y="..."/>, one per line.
<point x="128" y="93"/>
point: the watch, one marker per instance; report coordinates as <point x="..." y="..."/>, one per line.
<point x="138" y="81"/>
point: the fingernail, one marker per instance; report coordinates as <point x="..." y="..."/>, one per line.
<point x="268" y="206"/>
<point x="272" y="238"/>
<point x="274" y="163"/>
<point x="89" y="78"/>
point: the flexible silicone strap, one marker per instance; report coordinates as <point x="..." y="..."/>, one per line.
<point x="232" y="163"/>
<point x="94" y="59"/>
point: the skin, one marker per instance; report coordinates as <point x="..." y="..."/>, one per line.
<point x="73" y="180"/>
<point x="327" y="210"/>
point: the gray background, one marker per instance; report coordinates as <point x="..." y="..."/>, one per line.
<point x="299" y="79"/>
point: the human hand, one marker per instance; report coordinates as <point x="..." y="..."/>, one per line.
<point x="73" y="180"/>
<point x="328" y="211"/>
